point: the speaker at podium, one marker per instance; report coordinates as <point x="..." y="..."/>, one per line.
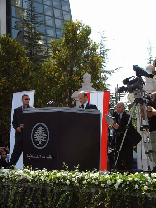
<point x="53" y="136"/>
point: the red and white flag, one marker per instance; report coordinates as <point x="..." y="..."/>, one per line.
<point x="101" y="100"/>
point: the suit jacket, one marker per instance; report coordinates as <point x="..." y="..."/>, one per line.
<point x="119" y="133"/>
<point x="125" y="160"/>
<point x="132" y="135"/>
<point x="90" y="106"/>
<point x="17" y="120"/>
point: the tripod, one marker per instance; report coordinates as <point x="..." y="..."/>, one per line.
<point x="138" y="95"/>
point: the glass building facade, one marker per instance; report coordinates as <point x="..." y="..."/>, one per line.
<point x="51" y="14"/>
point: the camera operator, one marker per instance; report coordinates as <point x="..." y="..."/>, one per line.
<point x="151" y="115"/>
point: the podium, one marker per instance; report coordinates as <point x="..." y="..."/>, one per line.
<point x="57" y="136"/>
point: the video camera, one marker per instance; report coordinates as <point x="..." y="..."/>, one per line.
<point x="135" y="83"/>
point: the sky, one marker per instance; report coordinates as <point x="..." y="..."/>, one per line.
<point x="130" y="29"/>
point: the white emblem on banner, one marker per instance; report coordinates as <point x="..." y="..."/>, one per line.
<point x="40" y="135"/>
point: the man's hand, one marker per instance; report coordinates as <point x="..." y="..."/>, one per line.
<point x="21" y="126"/>
<point x="110" y="127"/>
<point x="19" y="129"/>
<point x="1" y="149"/>
<point x="116" y="125"/>
<point x="150" y="111"/>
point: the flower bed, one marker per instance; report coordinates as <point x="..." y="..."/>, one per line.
<point x="42" y="188"/>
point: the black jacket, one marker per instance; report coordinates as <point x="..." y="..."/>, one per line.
<point x="90" y="106"/>
<point x="17" y="120"/>
<point x="126" y="153"/>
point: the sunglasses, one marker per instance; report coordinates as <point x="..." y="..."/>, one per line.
<point x="27" y="99"/>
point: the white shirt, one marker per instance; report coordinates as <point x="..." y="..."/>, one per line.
<point x="85" y="104"/>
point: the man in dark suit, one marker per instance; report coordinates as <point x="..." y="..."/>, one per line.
<point x="85" y="104"/>
<point x="125" y="159"/>
<point x="18" y="126"/>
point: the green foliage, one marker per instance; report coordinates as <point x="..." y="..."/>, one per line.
<point x="72" y="56"/>
<point x="57" y="78"/>
<point x="15" y="76"/>
<point x="42" y="188"/>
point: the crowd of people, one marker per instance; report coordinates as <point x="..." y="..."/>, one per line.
<point x="4" y="156"/>
<point x="120" y="151"/>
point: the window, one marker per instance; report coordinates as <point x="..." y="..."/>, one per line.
<point x="25" y="4"/>
<point x="57" y="4"/>
<point x="41" y="28"/>
<point x="48" y="10"/>
<point x="49" y="21"/>
<point x="17" y="3"/>
<point x="38" y="7"/>
<point x="65" y="6"/>
<point x="66" y="15"/>
<point x="40" y="19"/>
<point x="49" y="38"/>
<point x="58" y="23"/>
<point x="47" y="2"/>
<point x="59" y="33"/>
<point x="58" y="13"/>
<point x="17" y="12"/>
<point x="40" y="1"/>
<point x="16" y="34"/>
<point x="51" y="31"/>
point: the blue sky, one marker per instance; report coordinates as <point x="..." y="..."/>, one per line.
<point x="129" y="27"/>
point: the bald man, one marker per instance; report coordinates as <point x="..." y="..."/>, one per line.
<point x="85" y="104"/>
<point x="125" y="159"/>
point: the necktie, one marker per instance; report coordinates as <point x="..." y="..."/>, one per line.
<point x="82" y="106"/>
<point x="119" y="119"/>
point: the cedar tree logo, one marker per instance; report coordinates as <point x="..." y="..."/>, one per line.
<point x="40" y="135"/>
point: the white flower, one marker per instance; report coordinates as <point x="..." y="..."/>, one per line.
<point x="153" y="174"/>
<point x="20" y="171"/>
<point x="109" y="182"/>
<point x="116" y="185"/>
<point x="145" y="187"/>
<point x="102" y="185"/>
<point x="67" y="182"/>
<point x="31" y="172"/>
<point x="119" y="181"/>
<point x="136" y="186"/>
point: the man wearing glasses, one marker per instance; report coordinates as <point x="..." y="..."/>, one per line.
<point x="18" y="126"/>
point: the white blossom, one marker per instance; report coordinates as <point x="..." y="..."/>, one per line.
<point x="67" y="182"/>
<point x="109" y="182"/>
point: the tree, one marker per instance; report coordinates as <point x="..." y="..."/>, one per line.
<point x="15" y="76"/>
<point x="72" y="56"/>
<point x="31" y="37"/>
